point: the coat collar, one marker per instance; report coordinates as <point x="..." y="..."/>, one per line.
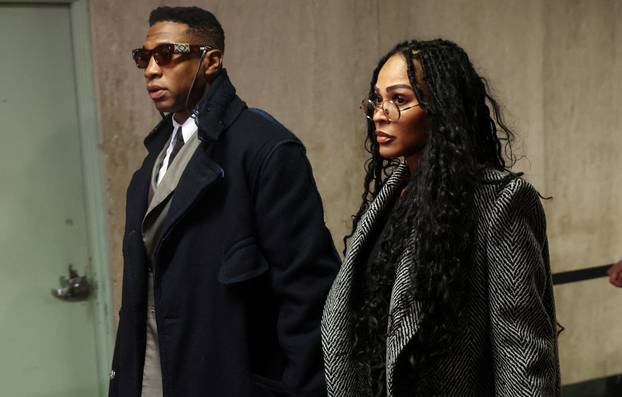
<point x="377" y="208"/>
<point x="216" y="111"/>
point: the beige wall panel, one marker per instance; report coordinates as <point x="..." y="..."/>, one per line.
<point x="554" y="66"/>
<point x="583" y="121"/>
<point x="582" y="101"/>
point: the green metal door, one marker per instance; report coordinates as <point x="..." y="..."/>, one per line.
<point x="47" y="345"/>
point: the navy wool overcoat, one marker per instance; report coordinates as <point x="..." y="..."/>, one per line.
<point x="242" y="267"/>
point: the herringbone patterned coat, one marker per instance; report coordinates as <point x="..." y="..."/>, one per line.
<point x="508" y="339"/>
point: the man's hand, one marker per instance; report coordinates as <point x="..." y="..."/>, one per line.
<point x="615" y="274"/>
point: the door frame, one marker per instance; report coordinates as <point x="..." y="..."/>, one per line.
<point x="92" y="181"/>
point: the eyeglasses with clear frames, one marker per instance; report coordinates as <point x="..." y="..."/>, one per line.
<point x="391" y="111"/>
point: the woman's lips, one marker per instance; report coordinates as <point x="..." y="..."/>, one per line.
<point x="382" y="137"/>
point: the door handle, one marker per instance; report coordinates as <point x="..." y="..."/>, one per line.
<point x="74" y="288"/>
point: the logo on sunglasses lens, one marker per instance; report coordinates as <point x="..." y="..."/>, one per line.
<point x="163" y="53"/>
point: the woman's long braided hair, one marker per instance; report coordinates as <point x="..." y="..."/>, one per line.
<point x="466" y="134"/>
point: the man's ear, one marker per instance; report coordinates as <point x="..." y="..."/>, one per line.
<point x="213" y="63"/>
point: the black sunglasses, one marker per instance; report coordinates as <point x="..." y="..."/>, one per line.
<point x="163" y="53"/>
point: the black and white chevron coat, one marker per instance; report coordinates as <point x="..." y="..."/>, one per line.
<point x="508" y="343"/>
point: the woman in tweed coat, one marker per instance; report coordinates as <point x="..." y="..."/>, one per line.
<point x="446" y="287"/>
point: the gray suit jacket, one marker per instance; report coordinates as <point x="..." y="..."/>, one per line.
<point x="508" y="342"/>
<point x="160" y="195"/>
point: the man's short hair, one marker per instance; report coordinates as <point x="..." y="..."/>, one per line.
<point x="201" y="23"/>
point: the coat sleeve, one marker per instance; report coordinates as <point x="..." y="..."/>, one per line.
<point x="522" y="309"/>
<point x="303" y="261"/>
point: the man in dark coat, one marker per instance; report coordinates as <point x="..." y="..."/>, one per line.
<point x="227" y="260"/>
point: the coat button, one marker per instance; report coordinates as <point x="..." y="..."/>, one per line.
<point x="112" y="374"/>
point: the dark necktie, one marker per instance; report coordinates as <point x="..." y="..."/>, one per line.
<point x="179" y="142"/>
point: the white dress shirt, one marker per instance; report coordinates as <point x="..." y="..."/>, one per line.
<point x="188" y="129"/>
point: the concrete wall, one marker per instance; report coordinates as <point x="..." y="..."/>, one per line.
<point x="554" y="64"/>
<point x="581" y="139"/>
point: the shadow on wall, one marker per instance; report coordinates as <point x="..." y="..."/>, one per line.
<point x="605" y="387"/>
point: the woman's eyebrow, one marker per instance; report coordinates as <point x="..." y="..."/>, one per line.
<point x="394" y="87"/>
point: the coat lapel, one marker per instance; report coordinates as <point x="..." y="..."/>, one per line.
<point x="200" y="173"/>
<point x="337" y="322"/>
<point x="170" y="180"/>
